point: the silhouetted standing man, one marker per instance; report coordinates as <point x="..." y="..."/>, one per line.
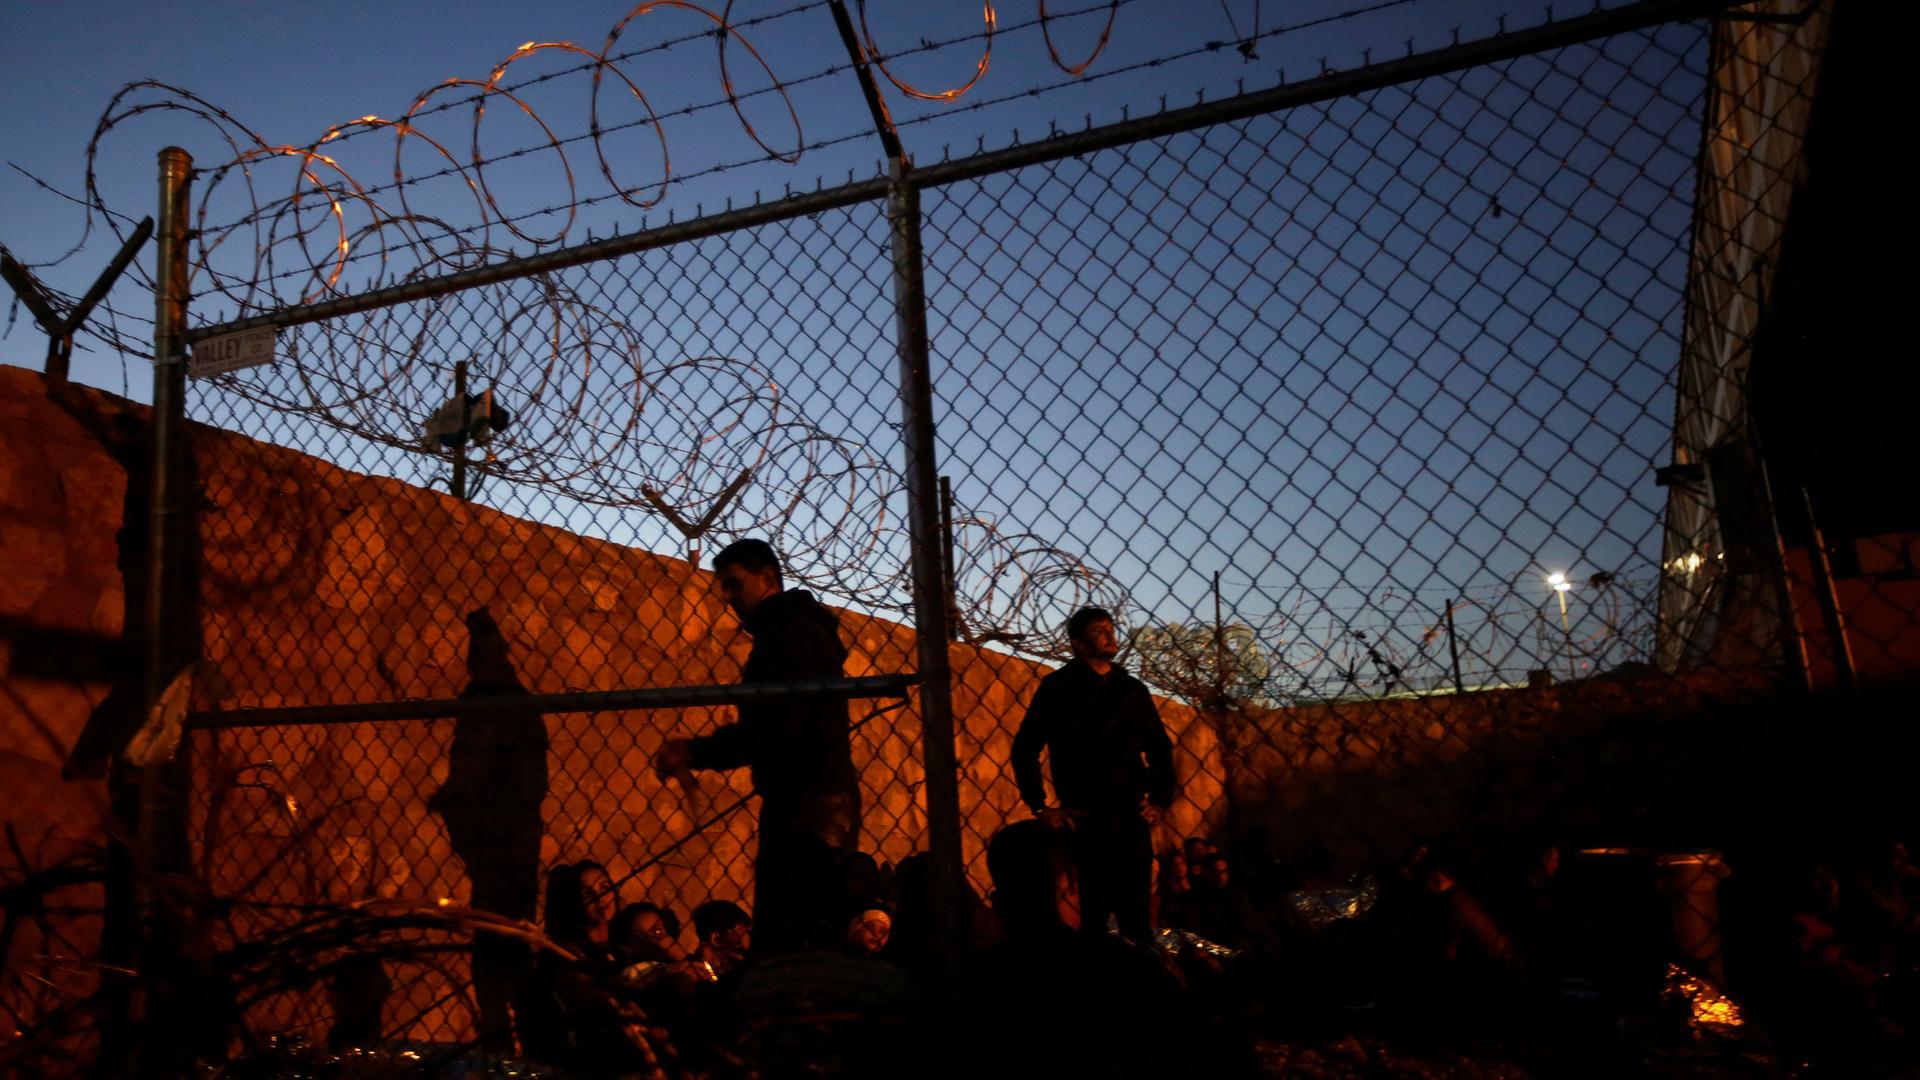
<point x="496" y="780"/>
<point x="799" y="749"/>
<point x="1112" y="770"/>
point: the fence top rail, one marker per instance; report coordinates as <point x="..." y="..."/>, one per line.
<point x="1604" y="22"/>
<point x="792" y="206"/>
<point x="584" y="701"/>
<point x="1600" y="23"/>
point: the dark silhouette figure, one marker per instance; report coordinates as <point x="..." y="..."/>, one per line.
<point x="357" y="993"/>
<point x="496" y="779"/>
<point x="1537" y="909"/>
<point x="1051" y="1001"/>
<point x="799" y="752"/>
<point x="1172" y="886"/>
<point x="1259" y="870"/>
<point x="911" y="945"/>
<point x="1219" y="911"/>
<point x="1449" y="939"/>
<point x="1112" y="771"/>
<point x="825" y="1012"/>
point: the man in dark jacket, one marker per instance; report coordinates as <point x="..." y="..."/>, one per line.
<point x="1112" y="769"/>
<point x="799" y="750"/>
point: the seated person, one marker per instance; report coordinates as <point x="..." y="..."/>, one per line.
<point x="725" y="932"/>
<point x="580" y="904"/>
<point x="574" y="1014"/>
<point x="910" y="943"/>
<point x="643" y="937"/>
<point x="1049" y="1001"/>
<point x="868" y="930"/>
<point x="840" y="1012"/>
<point x="1218" y="911"/>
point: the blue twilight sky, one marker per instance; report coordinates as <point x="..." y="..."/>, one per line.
<point x="1358" y="357"/>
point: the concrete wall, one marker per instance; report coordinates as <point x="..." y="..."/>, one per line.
<point x="1636" y="759"/>
<point x="320" y="585"/>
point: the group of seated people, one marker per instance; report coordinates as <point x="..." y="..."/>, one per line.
<point x="1038" y="993"/>
<point x="1419" y="909"/>
<point x="1225" y="927"/>
<point x="631" y="994"/>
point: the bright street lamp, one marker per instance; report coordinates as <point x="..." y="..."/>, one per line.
<point x="1561" y="585"/>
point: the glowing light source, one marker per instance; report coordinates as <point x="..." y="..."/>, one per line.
<point x="1688" y="563"/>
<point x="1708" y="1008"/>
<point x="1558" y="579"/>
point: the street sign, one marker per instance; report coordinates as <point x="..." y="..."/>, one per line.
<point x="231" y="352"/>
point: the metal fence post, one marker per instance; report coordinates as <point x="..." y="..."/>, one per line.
<point x="1828" y="595"/>
<point x="160" y="642"/>
<point x="169" y="400"/>
<point x="1453" y="650"/>
<point x="459" y="485"/>
<point x="942" y="789"/>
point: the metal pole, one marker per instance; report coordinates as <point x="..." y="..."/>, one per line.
<point x="459" y="486"/>
<point x="1829" y="596"/>
<point x="41" y="305"/>
<point x="876" y="105"/>
<point x="1453" y="648"/>
<point x="60" y="329"/>
<point x="59" y="356"/>
<point x="929" y="602"/>
<point x="1219" y="650"/>
<point x="1792" y="632"/>
<point x="1566" y="633"/>
<point x="169" y="400"/>
<point x="160" y="638"/>
<point x="115" y="267"/>
<point x="573" y="701"/>
<point x="951" y="581"/>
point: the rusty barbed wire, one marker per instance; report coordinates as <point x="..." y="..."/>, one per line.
<point x="599" y="424"/>
<point x="1014" y="590"/>
<point x="304" y="241"/>
<point x="322" y="182"/>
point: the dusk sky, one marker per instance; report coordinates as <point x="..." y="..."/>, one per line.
<point x="1358" y="357"/>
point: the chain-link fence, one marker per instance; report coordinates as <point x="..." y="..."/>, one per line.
<point x="1396" y="416"/>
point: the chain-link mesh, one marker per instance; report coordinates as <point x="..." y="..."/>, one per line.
<point x="1330" y="395"/>
<point x="1402" y="431"/>
<point x="641" y="393"/>
<point x="1359" y="416"/>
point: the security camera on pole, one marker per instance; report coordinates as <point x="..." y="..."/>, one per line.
<point x="465" y="418"/>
